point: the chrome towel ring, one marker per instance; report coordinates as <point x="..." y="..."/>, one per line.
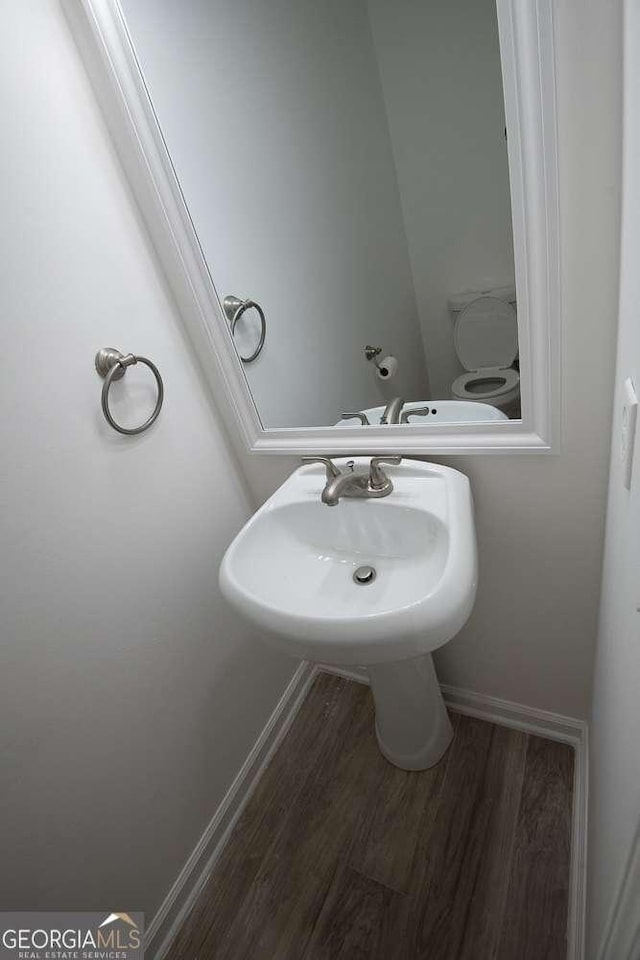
<point x="234" y="308"/>
<point x="112" y="365"/>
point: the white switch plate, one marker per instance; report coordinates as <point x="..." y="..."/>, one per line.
<point x="628" y="429"/>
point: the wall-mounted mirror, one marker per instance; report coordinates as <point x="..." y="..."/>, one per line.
<point x="346" y="176"/>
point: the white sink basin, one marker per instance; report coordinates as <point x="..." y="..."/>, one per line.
<point x="440" y="411"/>
<point x="291" y="571"/>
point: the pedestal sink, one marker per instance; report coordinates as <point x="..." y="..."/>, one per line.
<point x="373" y="582"/>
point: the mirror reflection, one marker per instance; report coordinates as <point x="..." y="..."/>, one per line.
<point x="345" y="166"/>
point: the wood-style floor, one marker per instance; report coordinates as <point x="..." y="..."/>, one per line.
<point x="341" y="855"/>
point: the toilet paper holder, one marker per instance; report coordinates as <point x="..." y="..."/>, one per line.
<point x="387" y="366"/>
<point x="372" y="354"/>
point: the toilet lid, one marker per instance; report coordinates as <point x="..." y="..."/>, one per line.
<point x="486" y="334"/>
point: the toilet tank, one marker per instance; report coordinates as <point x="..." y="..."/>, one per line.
<point x="459" y="301"/>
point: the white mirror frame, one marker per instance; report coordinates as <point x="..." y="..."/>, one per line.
<point x="527" y="53"/>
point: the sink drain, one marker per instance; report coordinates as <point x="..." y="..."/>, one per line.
<point x="364" y="575"/>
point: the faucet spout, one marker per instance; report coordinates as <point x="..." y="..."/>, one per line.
<point x="392" y="411"/>
<point x="345" y="485"/>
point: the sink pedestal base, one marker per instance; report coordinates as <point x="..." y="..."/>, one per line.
<point x="412" y="723"/>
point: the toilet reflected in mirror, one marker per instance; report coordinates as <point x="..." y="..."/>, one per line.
<point x="486" y="344"/>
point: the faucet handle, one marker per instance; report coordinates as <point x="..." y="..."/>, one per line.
<point x="377" y="477"/>
<point x="416" y="412"/>
<point x="362" y="417"/>
<point x="332" y="470"/>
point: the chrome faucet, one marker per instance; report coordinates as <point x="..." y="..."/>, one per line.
<point x="392" y="411"/>
<point x="354" y="483"/>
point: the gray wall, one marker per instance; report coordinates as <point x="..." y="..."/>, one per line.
<point x="440" y="70"/>
<point x="281" y="144"/>
<point x="130" y="694"/>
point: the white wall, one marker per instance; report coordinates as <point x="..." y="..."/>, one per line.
<point x="614" y="799"/>
<point x="540" y="519"/>
<point x="440" y="69"/>
<point x="130" y="694"/>
<point x="276" y="124"/>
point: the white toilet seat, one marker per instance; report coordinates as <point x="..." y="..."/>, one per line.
<point x="510" y="384"/>
<point x="486" y="343"/>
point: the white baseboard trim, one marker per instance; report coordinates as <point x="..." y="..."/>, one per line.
<point x="541" y="723"/>
<point x="577" y="935"/>
<point x="193" y="876"/>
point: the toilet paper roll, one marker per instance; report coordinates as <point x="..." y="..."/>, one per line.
<point x="387" y="368"/>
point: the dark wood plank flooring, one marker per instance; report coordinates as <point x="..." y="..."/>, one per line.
<point x="341" y="856"/>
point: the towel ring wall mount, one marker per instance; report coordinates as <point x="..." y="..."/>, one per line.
<point x="112" y="365"/>
<point x="234" y="308"/>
